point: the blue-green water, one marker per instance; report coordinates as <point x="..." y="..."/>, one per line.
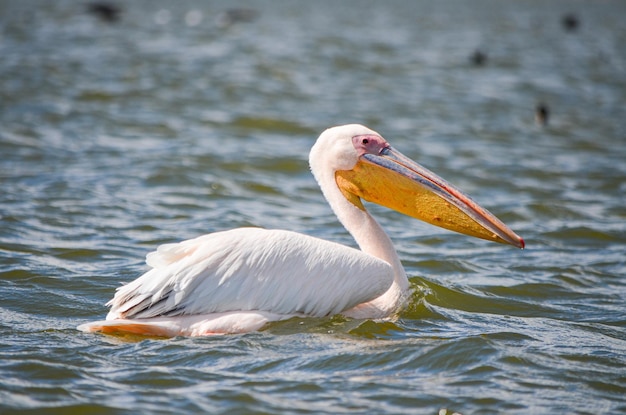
<point x="171" y="123"/>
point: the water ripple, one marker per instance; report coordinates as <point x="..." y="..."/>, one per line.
<point x="168" y="123"/>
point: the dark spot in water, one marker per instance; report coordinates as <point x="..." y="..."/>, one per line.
<point x="478" y="58"/>
<point x="233" y="16"/>
<point x="570" y="22"/>
<point x="108" y="12"/>
<point x="542" y="113"/>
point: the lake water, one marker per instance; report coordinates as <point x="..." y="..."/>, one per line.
<point x="176" y="120"/>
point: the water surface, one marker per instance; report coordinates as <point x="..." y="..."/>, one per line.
<point x="173" y="122"/>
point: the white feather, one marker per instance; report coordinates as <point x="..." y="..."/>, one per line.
<point x="276" y="271"/>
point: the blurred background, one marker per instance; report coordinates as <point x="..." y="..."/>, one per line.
<point x="124" y="125"/>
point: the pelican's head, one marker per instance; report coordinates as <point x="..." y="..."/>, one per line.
<point x="365" y="166"/>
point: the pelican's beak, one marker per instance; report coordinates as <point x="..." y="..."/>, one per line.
<point x="393" y="180"/>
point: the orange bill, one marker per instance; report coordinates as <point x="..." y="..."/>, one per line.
<point x="393" y="180"/>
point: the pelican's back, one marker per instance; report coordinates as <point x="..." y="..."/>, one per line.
<point x="252" y="269"/>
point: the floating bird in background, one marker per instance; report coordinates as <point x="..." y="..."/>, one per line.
<point x="478" y="58"/>
<point x="570" y="22"/>
<point x="238" y="280"/>
<point x="232" y="16"/>
<point x="542" y="114"/>
<point x="108" y="12"/>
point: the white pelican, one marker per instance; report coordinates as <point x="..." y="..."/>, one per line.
<point x="238" y="280"/>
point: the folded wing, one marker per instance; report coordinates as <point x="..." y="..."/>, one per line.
<point x="252" y="269"/>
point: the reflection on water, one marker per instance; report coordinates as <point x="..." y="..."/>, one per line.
<point x="174" y="120"/>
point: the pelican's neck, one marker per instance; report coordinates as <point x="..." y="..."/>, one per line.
<point x="369" y="235"/>
<point x="373" y="240"/>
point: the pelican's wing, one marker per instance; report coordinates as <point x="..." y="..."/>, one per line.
<point x="252" y="269"/>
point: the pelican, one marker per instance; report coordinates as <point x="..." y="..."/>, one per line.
<point x="238" y="280"/>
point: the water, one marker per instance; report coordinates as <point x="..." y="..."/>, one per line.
<point x="171" y="123"/>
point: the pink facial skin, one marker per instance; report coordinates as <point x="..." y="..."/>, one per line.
<point x="369" y="144"/>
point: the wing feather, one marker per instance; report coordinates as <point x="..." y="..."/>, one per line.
<point x="250" y="269"/>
